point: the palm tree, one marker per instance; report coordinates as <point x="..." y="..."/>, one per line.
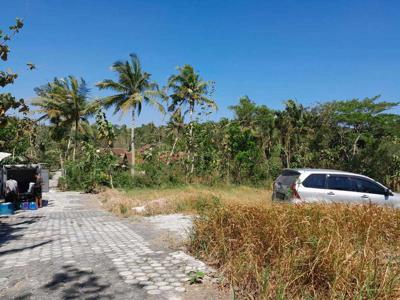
<point x="291" y="123"/>
<point x="65" y="103"/>
<point x="175" y="127"/>
<point x="189" y="91"/>
<point x="133" y="89"/>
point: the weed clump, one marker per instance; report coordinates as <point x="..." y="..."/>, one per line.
<point x="306" y="251"/>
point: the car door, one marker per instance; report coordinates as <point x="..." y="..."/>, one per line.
<point x="312" y="188"/>
<point x="339" y="189"/>
<point x="369" y="191"/>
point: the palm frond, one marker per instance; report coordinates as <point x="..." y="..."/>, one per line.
<point x="111" y="85"/>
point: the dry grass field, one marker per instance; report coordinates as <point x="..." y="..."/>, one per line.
<point x="266" y="250"/>
<point x="185" y="199"/>
<point x="303" y="251"/>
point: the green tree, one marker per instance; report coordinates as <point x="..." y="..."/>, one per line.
<point x="359" y="116"/>
<point x="122" y="136"/>
<point x="16" y="134"/>
<point x="244" y="153"/>
<point x="261" y="120"/>
<point x="8" y="77"/>
<point x="105" y="130"/>
<point x="175" y="128"/>
<point x="245" y="112"/>
<point x="9" y="103"/>
<point x="188" y="92"/>
<point x="291" y="123"/>
<point x="133" y="89"/>
<point x="65" y="103"/>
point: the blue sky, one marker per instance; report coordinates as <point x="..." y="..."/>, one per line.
<point x="311" y="51"/>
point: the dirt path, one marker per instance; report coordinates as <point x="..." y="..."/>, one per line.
<point x="73" y="249"/>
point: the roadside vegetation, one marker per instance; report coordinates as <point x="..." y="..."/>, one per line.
<point x="187" y="199"/>
<point x="221" y="172"/>
<point x="302" y="252"/>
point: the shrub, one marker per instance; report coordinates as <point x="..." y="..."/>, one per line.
<point x="310" y="251"/>
<point x="89" y="172"/>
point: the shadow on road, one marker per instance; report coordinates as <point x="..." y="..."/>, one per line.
<point x="9" y="230"/>
<point x="24" y="248"/>
<point x="78" y="283"/>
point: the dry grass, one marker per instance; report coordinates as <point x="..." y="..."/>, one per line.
<point x="303" y="252"/>
<point x="274" y="251"/>
<point x="186" y="199"/>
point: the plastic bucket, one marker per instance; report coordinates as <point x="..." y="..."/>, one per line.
<point x="32" y="205"/>
<point x="6" y="209"/>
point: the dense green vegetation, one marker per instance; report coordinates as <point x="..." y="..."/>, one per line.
<point x="359" y="135"/>
<point x="356" y="135"/>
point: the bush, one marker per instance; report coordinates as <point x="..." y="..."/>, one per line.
<point x="310" y="251"/>
<point x="147" y="175"/>
<point x="91" y="171"/>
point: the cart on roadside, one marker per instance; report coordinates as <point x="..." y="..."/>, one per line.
<point x="25" y="176"/>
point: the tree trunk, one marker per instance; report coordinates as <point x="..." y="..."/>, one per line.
<point x="133" y="142"/>
<point x="172" y="151"/>
<point x="62" y="164"/>
<point x="111" y="181"/>
<point x="355" y="144"/>
<point x="68" y="147"/>
<point x="76" y="140"/>
<point x="191" y="153"/>
<point x="287" y="150"/>
<point x="31" y="144"/>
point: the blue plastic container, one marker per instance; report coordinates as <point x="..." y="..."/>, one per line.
<point x="32" y="205"/>
<point x="6" y="209"/>
<point x="25" y="205"/>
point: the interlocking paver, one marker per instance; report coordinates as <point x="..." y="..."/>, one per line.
<point x="70" y="249"/>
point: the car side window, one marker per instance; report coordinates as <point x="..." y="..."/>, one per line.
<point x="366" y="186"/>
<point x="316" y="181"/>
<point x="341" y="183"/>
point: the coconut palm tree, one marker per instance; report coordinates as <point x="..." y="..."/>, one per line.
<point x="133" y="89"/>
<point x="65" y="103"/>
<point x="175" y="127"/>
<point x="188" y="92"/>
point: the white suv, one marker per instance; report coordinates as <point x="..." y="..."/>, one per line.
<point x="318" y="185"/>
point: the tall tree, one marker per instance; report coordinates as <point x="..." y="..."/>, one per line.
<point x="188" y="92"/>
<point x="8" y="102"/>
<point x="260" y="119"/>
<point x="360" y="116"/>
<point x="175" y="127"/>
<point x="292" y="125"/>
<point x="133" y="89"/>
<point x="65" y="103"/>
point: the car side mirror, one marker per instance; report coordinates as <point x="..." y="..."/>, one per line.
<point x="388" y="193"/>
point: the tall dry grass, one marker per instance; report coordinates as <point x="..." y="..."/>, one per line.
<point x="303" y="252"/>
<point x="185" y="199"/>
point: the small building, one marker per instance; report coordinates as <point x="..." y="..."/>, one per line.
<point x="125" y="157"/>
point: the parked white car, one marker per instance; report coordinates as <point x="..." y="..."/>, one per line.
<point x="331" y="186"/>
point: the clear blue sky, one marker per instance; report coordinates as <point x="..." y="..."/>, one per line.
<point x="312" y="51"/>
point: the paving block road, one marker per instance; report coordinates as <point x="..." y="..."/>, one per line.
<point x="70" y="249"/>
